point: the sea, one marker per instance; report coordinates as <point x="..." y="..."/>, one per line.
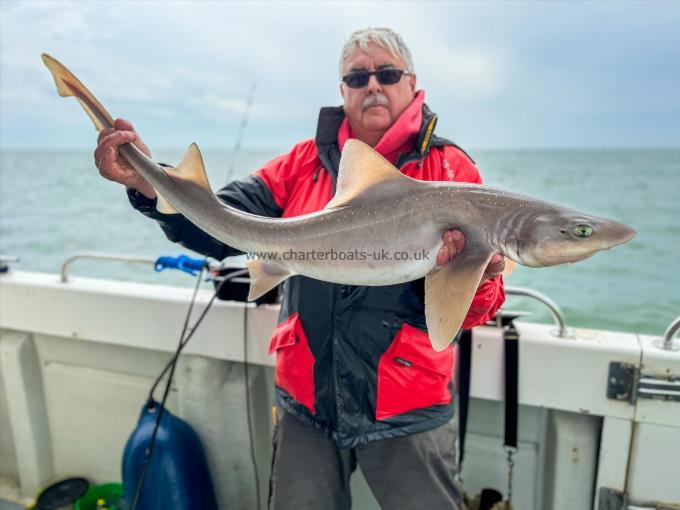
<point x="54" y="204"/>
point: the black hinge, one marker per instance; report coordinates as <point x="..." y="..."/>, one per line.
<point x="611" y="499"/>
<point x="621" y="381"/>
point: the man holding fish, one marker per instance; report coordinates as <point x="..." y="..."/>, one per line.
<point x="357" y="380"/>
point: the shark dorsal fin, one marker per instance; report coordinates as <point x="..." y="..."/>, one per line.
<point x="360" y="168"/>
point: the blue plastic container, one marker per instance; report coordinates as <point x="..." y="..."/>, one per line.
<point x="178" y="476"/>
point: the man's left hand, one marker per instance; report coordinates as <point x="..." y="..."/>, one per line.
<point x="454" y="243"/>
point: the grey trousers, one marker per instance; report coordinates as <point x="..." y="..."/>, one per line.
<point x="411" y="472"/>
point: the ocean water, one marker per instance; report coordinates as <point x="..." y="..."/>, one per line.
<point x="55" y="204"/>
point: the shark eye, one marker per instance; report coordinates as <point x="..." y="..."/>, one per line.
<point x="583" y="231"/>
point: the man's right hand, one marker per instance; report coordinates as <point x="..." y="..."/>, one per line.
<point x="112" y="165"/>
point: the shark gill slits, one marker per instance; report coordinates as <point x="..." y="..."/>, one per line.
<point x="583" y="231"/>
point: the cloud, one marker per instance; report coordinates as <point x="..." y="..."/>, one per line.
<point x="520" y="74"/>
<point x="221" y="104"/>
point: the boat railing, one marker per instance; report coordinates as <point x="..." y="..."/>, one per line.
<point x="555" y="311"/>
<point x="562" y="331"/>
<point x="667" y="342"/>
<point x="101" y="256"/>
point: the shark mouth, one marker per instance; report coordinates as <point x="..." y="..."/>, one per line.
<point x="584" y="257"/>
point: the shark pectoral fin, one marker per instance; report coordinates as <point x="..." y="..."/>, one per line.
<point x="360" y="168"/>
<point x="264" y="276"/>
<point x="448" y="293"/>
<point x="191" y="168"/>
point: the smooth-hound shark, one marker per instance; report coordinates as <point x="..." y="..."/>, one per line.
<point x="376" y="209"/>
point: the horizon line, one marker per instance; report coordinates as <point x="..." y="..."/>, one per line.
<point x="280" y="150"/>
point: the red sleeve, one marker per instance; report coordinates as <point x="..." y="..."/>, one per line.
<point x="491" y="294"/>
<point x="489" y="298"/>
<point x="464" y="170"/>
<point x="279" y="172"/>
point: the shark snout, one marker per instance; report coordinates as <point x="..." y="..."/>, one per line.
<point x="618" y="233"/>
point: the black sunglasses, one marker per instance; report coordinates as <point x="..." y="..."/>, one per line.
<point x="358" y="79"/>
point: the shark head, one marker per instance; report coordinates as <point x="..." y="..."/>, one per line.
<point x="562" y="236"/>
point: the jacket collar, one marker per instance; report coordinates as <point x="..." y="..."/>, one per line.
<point x="332" y="118"/>
<point x="401" y="135"/>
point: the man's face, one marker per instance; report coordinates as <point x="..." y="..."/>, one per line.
<point x="396" y="98"/>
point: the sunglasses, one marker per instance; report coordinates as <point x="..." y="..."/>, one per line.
<point x="359" y="79"/>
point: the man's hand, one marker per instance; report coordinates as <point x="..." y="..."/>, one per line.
<point x="454" y="242"/>
<point x="112" y="165"/>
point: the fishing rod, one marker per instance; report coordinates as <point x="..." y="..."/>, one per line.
<point x="241" y="132"/>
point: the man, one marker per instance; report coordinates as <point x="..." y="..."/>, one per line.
<point x="357" y="381"/>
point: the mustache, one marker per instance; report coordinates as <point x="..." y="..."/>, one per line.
<point x="375" y="99"/>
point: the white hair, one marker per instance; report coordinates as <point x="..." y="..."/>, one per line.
<point x="383" y="37"/>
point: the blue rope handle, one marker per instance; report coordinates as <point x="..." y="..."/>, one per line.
<point x="181" y="262"/>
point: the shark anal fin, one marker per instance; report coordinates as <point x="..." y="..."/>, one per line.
<point x="361" y="167"/>
<point x="264" y="276"/>
<point x="448" y="293"/>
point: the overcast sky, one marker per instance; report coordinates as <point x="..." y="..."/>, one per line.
<point x="500" y="75"/>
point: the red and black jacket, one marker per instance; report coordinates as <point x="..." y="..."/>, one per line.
<point x="355" y="361"/>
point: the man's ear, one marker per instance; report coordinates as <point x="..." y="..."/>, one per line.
<point x="412" y="82"/>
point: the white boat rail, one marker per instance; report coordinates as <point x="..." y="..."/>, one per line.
<point x="667" y="342"/>
<point x="556" y="312"/>
<point x="101" y="256"/>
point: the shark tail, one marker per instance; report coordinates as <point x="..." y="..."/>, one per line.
<point x="69" y="86"/>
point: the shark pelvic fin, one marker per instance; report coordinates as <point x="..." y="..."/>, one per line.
<point x="264" y="276"/>
<point x="360" y="168"/>
<point x="191" y="168"/>
<point x="163" y="206"/>
<point x="68" y="85"/>
<point x="448" y="293"/>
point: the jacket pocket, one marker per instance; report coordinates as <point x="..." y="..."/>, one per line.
<point x="412" y="375"/>
<point x="294" y="361"/>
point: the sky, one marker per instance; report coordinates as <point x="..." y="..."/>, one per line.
<point x="506" y="75"/>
